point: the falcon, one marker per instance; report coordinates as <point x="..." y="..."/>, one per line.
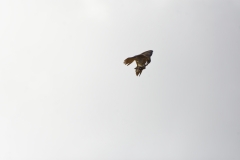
<point x="142" y="61"/>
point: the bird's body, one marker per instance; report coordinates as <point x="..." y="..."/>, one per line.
<point x="142" y="60"/>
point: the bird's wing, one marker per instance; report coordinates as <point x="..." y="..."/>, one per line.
<point x="129" y="60"/>
<point x="141" y="61"/>
<point x="148" y="55"/>
<point x="138" y="58"/>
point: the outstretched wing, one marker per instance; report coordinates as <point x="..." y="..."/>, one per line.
<point x="148" y="55"/>
<point x="129" y="60"/>
<point x="138" y="58"/>
<point x="141" y="61"/>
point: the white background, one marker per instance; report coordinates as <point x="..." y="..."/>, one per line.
<point x="65" y="93"/>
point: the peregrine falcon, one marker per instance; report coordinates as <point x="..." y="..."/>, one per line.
<point x="142" y="61"/>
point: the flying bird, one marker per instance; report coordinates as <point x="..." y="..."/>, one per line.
<point x="142" y="61"/>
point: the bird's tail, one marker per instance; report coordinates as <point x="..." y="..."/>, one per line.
<point x="128" y="60"/>
<point x="139" y="70"/>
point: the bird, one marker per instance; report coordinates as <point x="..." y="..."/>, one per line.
<point x="142" y="60"/>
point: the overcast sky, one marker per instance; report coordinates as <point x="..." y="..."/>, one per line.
<point x="65" y="93"/>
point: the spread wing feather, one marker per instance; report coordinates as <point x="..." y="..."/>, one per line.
<point x="141" y="61"/>
<point x="129" y="60"/>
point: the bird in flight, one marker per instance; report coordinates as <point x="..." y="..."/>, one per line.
<point x="142" y="61"/>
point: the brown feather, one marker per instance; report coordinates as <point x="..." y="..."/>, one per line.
<point x="139" y="70"/>
<point x="129" y="60"/>
<point x="142" y="60"/>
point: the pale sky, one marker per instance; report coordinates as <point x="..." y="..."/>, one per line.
<point x="65" y="93"/>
